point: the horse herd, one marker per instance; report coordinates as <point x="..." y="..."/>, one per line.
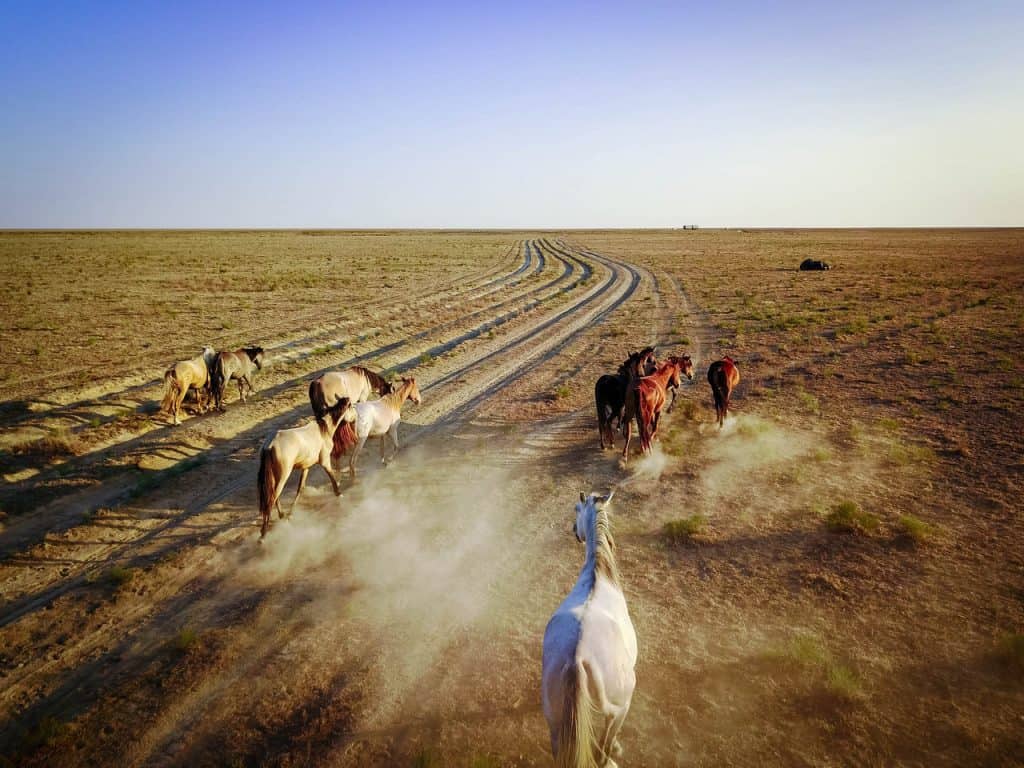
<point x="639" y="390"/>
<point x="208" y="375"/>
<point x="590" y="645"/>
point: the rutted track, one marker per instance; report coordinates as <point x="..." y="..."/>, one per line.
<point x="453" y="392"/>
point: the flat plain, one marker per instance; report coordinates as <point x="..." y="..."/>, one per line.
<point x="834" y="578"/>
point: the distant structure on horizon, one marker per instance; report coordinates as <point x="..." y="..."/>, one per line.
<point x="689" y="226"/>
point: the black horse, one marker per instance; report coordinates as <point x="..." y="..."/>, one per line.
<point x="611" y="393"/>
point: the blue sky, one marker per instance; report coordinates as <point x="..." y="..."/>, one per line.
<point x="527" y="115"/>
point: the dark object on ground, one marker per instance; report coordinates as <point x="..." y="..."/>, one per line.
<point x="813" y="264"/>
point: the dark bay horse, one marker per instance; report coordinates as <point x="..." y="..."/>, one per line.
<point x="723" y="376"/>
<point x="610" y="392"/>
<point x="241" y="364"/>
<point x="652" y="392"/>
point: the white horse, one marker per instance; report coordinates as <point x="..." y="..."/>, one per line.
<point x="375" y="418"/>
<point x="355" y="383"/>
<point x="301" y="447"/>
<point x="589" y="652"/>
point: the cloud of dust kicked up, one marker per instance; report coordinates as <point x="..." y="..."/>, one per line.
<point x="414" y="556"/>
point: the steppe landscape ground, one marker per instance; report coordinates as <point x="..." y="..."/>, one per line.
<point x="835" y="578"/>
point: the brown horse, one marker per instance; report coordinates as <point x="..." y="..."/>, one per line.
<point x="723" y="376"/>
<point x="181" y="377"/>
<point x="301" y="447"/>
<point x="241" y="364"/>
<point x="639" y="364"/>
<point x="652" y="392"/>
<point x="611" y="389"/>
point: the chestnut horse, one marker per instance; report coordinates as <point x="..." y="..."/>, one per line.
<point x="301" y="447"/>
<point x="610" y="393"/>
<point x="652" y="392"/>
<point x="723" y="376"/>
<point x="181" y="377"/>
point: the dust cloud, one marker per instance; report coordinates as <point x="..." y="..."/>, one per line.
<point x="415" y="556"/>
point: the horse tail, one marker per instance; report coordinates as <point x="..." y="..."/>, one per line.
<point x="576" y="739"/>
<point x="170" y="390"/>
<point x="266" y="484"/>
<point x="344" y="440"/>
<point x="317" y="399"/>
<point x="215" y="373"/>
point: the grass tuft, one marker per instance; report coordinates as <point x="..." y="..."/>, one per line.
<point x="1010" y="652"/>
<point x="847" y="517"/>
<point x="185" y="640"/>
<point x="916" y="529"/>
<point x="120" y="576"/>
<point x="684" y="529"/>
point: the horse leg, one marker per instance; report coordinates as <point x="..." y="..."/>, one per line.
<point x="627" y="429"/>
<point x="241" y="390"/>
<point x="335" y="481"/>
<point x="281" y="483"/>
<point x="393" y="434"/>
<point x="356" y="450"/>
<point x="178" y="402"/>
<point x="302" y="484"/>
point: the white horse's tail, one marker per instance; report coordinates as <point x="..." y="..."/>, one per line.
<point x="170" y="390"/>
<point x="577" y="744"/>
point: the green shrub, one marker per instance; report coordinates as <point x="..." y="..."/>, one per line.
<point x="847" y="517"/>
<point x="684" y="529"/>
<point x="916" y="529"/>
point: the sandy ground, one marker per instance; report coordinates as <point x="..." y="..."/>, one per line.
<point x="142" y="623"/>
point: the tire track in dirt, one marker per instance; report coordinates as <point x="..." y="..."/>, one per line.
<point x="539" y="341"/>
<point x="100" y="452"/>
<point x="456" y="289"/>
<point x="532" y="335"/>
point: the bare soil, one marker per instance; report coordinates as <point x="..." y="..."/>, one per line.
<point x="142" y="624"/>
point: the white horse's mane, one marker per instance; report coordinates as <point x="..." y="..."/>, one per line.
<point x="604" y="547"/>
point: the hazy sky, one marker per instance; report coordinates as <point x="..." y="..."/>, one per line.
<point x="544" y="114"/>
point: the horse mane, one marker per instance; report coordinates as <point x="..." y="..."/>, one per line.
<point x="604" y="550"/>
<point x="252" y="352"/>
<point x="395" y="398"/>
<point x="377" y="382"/>
<point x="334" y="411"/>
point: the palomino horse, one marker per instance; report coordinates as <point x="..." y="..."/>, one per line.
<point x="180" y="377"/>
<point x="723" y="376"/>
<point x="355" y="383"/>
<point x="589" y="652"/>
<point x="610" y="392"/>
<point x="375" y="418"/>
<point x="241" y="364"/>
<point x="301" y="447"/>
<point x="652" y="392"/>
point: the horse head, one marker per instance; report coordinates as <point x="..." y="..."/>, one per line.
<point x="343" y="410"/>
<point x="648" y="361"/>
<point x="686" y="366"/>
<point x="256" y="355"/>
<point x="413" y="388"/>
<point x="586" y="509"/>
